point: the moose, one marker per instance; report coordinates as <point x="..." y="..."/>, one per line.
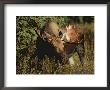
<point x="50" y="46"/>
<point x="60" y="49"/>
<point x="74" y="42"/>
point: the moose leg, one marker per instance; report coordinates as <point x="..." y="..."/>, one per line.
<point x="66" y="59"/>
<point x="70" y="56"/>
<point x="70" y="49"/>
<point x="80" y="51"/>
<point x="63" y="58"/>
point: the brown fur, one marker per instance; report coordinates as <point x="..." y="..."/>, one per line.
<point x="57" y="43"/>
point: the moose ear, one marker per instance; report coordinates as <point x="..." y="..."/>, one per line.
<point x="74" y="26"/>
<point x="66" y="27"/>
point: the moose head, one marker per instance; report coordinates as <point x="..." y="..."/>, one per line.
<point x="56" y="42"/>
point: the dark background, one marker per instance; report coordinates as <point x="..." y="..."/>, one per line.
<point x="56" y="1"/>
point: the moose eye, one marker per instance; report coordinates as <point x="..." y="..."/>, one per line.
<point x="60" y="33"/>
